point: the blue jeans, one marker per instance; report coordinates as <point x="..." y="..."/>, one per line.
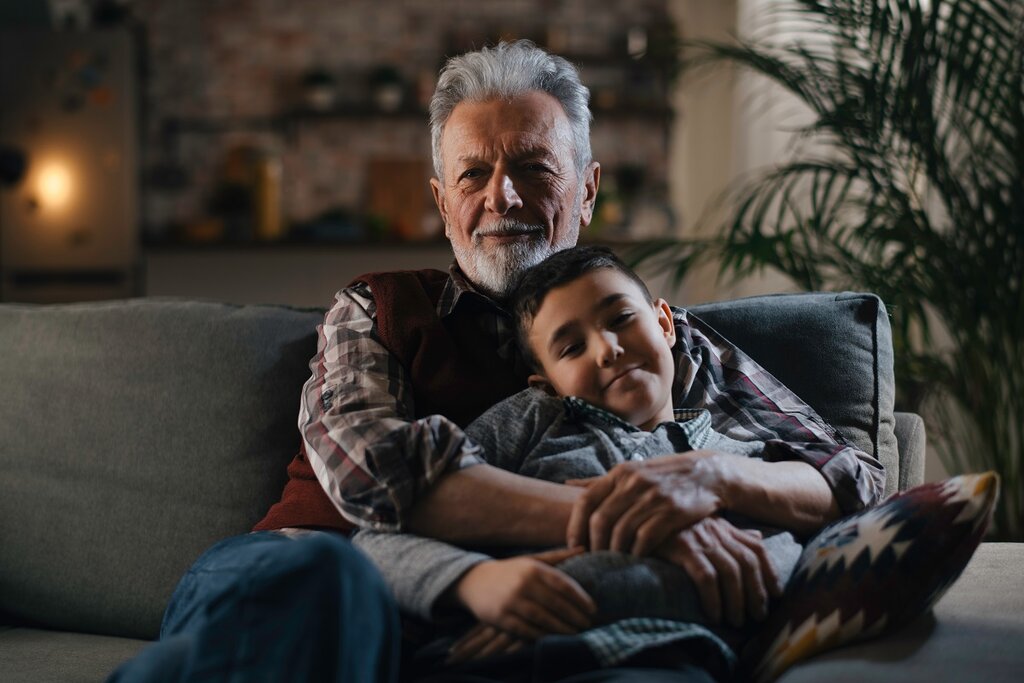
<point x="266" y="607"/>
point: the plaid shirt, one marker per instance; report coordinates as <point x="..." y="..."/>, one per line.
<point x="375" y="459"/>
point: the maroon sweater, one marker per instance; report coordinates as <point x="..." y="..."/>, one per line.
<point x="452" y="372"/>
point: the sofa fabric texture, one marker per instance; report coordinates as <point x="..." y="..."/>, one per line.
<point x="135" y="435"/>
<point x="833" y="350"/>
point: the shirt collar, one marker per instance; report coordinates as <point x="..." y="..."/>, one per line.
<point x="459" y="287"/>
<point x="691" y="420"/>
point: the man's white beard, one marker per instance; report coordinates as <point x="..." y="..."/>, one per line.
<point x="494" y="270"/>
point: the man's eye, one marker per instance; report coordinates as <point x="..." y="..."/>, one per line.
<point x="471" y="174"/>
<point x="536" y="168"/>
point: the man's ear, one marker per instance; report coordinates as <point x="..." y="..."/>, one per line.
<point x="591" y="181"/>
<point x="541" y="382"/>
<point x="438" y="191"/>
<point x="668" y="327"/>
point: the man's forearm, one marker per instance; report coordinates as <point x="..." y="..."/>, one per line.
<point x="484" y="505"/>
<point x="791" y="494"/>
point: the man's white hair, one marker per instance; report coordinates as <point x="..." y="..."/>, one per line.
<point x="506" y="71"/>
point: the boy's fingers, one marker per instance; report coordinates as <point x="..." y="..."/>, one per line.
<point x="532" y="621"/>
<point x="565" y="587"/>
<point x="499" y="643"/>
<point x="565" y="610"/>
<point x="470" y="643"/>
<point x="559" y="555"/>
<point x="581" y="483"/>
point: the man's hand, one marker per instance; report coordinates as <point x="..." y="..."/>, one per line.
<point x="729" y="567"/>
<point x="639" y="505"/>
<point x="526" y="597"/>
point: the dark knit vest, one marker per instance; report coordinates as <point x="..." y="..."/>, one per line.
<point x="454" y="372"/>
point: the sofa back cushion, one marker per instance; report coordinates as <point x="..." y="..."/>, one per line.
<point x="133" y="435"/>
<point x="833" y="350"/>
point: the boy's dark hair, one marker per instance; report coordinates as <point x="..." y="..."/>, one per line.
<point x="561" y="268"/>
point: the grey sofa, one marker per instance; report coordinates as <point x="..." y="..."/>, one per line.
<point x="135" y="434"/>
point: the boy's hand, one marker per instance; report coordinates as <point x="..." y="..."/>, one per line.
<point x="483" y="640"/>
<point x="639" y="505"/>
<point x="526" y="597"/>
<point x="729" y="567"/>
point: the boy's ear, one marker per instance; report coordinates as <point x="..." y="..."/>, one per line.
<point x="541" y="382"/>
<point x="668" y="327"/>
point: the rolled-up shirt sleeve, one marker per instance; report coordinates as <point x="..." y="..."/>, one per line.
<point x="748" y="403"/>
<point x="370" y="453"/>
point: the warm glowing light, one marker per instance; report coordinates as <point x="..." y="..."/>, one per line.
<point x="54" y="185"/>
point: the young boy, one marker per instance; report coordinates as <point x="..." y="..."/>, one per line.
<point x="601" y="395"/>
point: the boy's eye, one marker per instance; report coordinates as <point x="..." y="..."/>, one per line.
<point x="621" y="318"/>
<point x="571" y="350"/>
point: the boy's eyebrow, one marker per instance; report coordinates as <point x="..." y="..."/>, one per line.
<point x="564" y="329"/>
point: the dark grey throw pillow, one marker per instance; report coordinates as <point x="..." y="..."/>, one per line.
<point x="832" y="350"/>
<point x="134" y="435"/>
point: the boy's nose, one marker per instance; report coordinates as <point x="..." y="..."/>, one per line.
<point x="608" y="350"/>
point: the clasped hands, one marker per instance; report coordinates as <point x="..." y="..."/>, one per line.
<point x="664" y="507"/>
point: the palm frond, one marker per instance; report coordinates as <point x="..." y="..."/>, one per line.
<point x="909" y="182"/>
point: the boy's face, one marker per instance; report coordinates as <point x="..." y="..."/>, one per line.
<point x="599" y="339"/>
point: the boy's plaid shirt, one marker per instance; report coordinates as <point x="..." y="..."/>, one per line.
<point x="375" y="459"/>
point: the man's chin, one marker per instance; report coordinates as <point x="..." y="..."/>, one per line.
<point x="495" y="270"/>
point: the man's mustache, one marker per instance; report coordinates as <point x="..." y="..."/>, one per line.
<point x="509" y="227"/>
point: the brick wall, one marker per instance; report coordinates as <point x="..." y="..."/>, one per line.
<point x="228" y="68"/>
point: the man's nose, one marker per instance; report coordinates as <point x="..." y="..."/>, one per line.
<point x="501" y="194"/>
<point x="608" y="349"/>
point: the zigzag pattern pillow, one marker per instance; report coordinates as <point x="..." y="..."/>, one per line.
<point x="873" y="571"/>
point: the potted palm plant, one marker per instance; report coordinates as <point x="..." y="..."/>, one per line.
<point x="911" y="186"/>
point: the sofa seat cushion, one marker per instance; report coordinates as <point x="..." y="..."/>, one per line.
<point x="833" y="350"/>
<point x="974" y="633"/>
<point x="135" y="435"/>
<point x="29" y="655"/>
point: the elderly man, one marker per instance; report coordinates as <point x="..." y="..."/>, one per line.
<point x="407" y="359"/>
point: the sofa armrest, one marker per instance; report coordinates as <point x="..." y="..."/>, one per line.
<point x="910" y="441"/>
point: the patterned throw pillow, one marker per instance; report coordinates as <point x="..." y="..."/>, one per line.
<point x="874" y="571"/>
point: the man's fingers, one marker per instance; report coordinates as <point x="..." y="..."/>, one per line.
<point x="578" y="529"/>
<point x="702" y="573"/>
<point x="753" y="591"/>
<point x="621" y="497"/>
<point x="730" y="583"/>
<point x="769" y="575"/>
<point x="624" y="531"/>
<point x="652" y="533"/>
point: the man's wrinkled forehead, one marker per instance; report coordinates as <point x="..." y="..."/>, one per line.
<point x="533" y="123"/>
